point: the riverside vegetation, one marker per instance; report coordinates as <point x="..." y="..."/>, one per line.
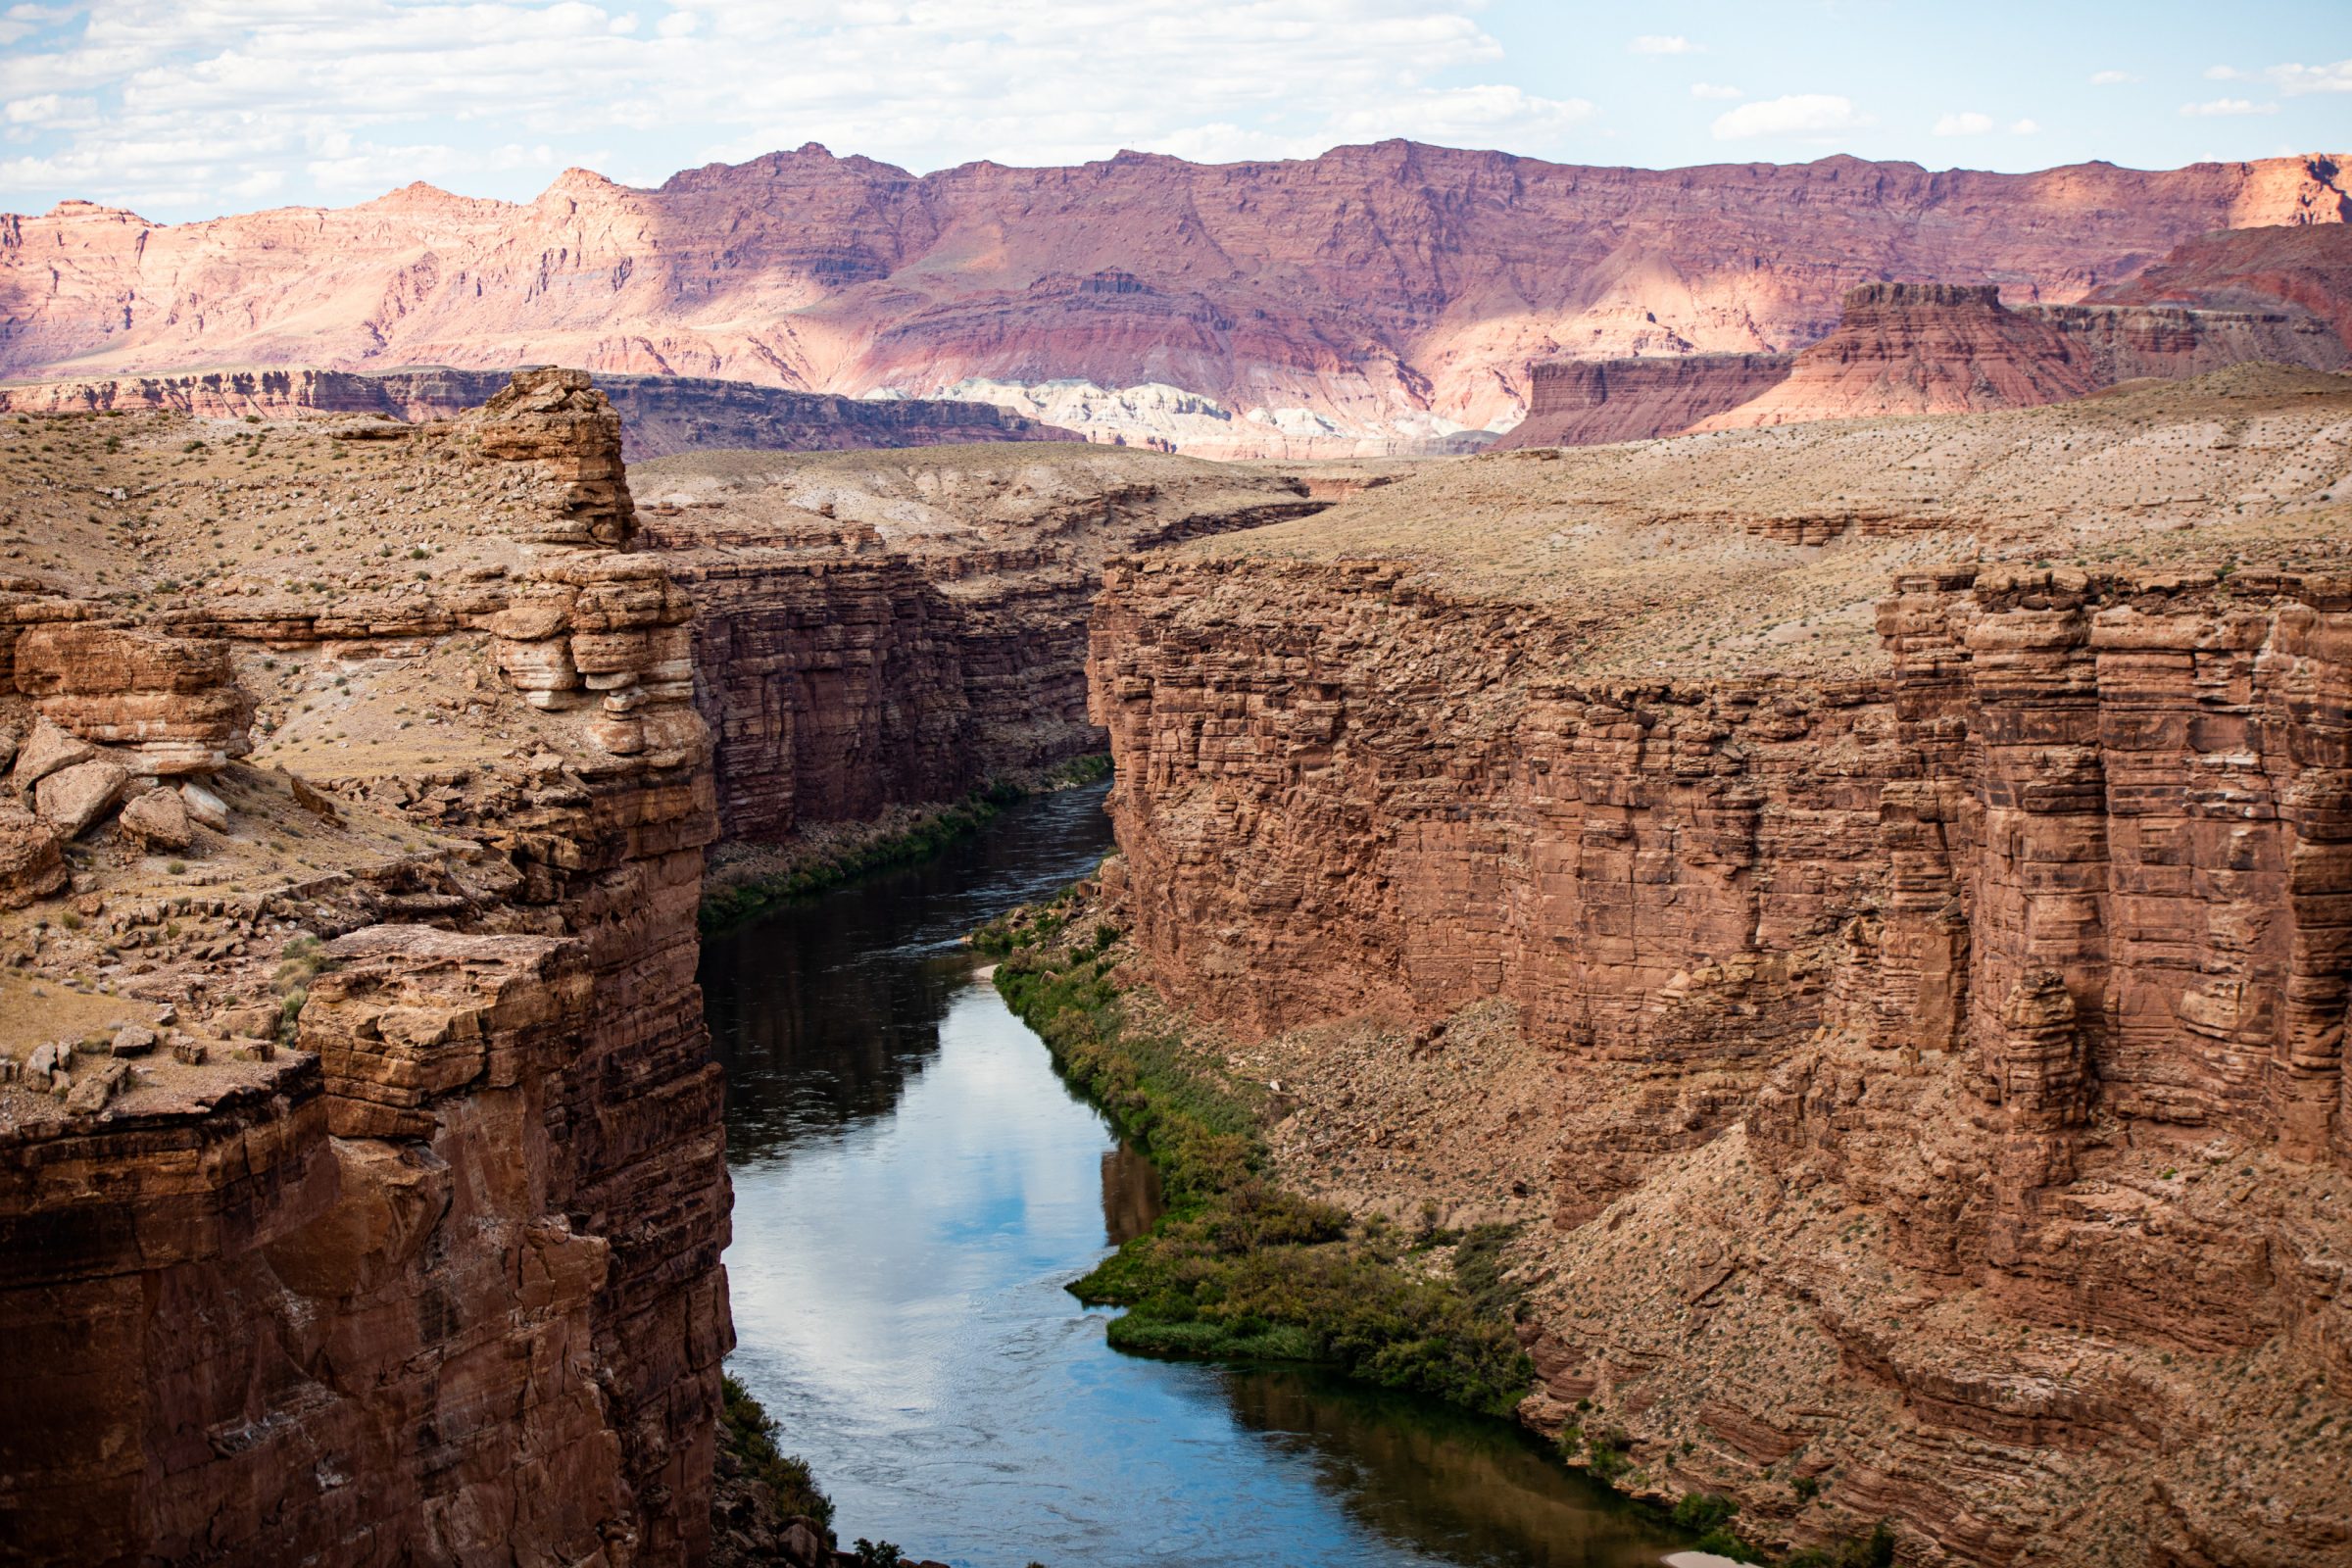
<point x="1239" y="1269"/>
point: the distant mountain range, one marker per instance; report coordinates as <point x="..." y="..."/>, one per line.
<point x="1380" y="298"/>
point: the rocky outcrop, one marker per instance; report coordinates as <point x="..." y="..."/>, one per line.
<point x="1923" y="1072"/>
<point x="658" y="414"/>
<point x="1371" y="288"/>
<point x="429" y="1270"/>
<point x="1589" y="402"/>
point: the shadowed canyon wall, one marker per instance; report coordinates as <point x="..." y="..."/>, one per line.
<point x="896" y="628"/>
<point x="659" y="415"/>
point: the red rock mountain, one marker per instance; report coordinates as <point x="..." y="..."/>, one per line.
<point x="1375" y="286"/>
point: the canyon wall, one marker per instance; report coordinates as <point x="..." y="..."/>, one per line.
<point x="1943" y="348"/>
<point x="1591" y="403"/>
<point x="898" y="628"/>
<point x="411" y="1255"/>
<point x="1381" y="292"/>
<point x="1918" y="1056"/>
<point x="659" y="415"/>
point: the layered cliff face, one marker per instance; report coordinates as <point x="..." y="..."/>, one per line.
<point x="1942" y="348"/>
<point x="891" y="628"/>
<point x="1591" y="403"/>
<point x="659" y="415"/>
<point x="1902" y="978"/>
<point x="1386" y="291"/>
<point x="360" y="1167"/>
<point x="2298" y="270"/>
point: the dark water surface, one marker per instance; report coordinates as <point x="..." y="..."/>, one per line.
<point x="914" y="1187"/>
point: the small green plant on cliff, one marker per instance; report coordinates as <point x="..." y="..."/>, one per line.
<point x="1240" y="1267"/>
<point x="748" y="1433"/>
<point x="876" y="1555"/>
<point x="302" y="961"/>
<point x="1710" y="1515"/>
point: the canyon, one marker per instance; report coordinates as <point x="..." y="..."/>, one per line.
<point x="1375" y="300"/>
<point x="1868" y="898"/>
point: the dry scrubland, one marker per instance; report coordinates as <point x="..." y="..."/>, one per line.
<point x="1674" y="556"/>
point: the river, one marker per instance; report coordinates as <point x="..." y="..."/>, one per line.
<point x="913" y="1189"/>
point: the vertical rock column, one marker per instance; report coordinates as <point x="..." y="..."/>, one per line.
<point x="2039" y="960"/>
<point x="2310" y="669"/>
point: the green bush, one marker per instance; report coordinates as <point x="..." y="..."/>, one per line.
<point x="750" y="1433"/>
<point x="724" y="908"/>
<point x="1240" y="1268"/>
<point x="1873" y="1551"/>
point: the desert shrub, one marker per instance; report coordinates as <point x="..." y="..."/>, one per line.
<point x="1240" y="1268"/>
<point x="750" y="1433"/>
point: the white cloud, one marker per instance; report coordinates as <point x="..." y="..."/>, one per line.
<point x="1474" y="117"/>
<point x="1709" y="89"/>
<point x="2295" y="80"/>
<point x="1657" y="44"/>
<point x="184" y="104"/>
<point x="2024" y="127"/>
<point x="2221" y="107"/>
<point x="2224" y="73"/>
<point x="2110" y="79"/>
<point x="1804" y="115"/>
<point x="1964" y="124"/>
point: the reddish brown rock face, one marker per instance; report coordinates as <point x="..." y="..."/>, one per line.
<point x="437" y="1278"/>
<point x="898" y="628"/>
<point x="1589" y="402"/>
<point x="1938" y="1067"/>
<point x="1352" y="284"/>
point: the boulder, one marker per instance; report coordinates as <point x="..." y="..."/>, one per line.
<point x="49" y="749"/>
<point x="71" y="799"/>
<point x="206" y="808"/>
<point x="8" y="748"/>
<point x="94" y="1089"/>
<point x="245" y="1024"/>
<point x="133" y="1040"/>
<point x="159" y="820"/>
<point x="31" y="865"/>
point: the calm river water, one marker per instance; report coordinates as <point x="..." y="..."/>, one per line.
<point x="914" y="1187"/>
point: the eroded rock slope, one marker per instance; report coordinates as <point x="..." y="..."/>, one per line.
<point x="1872" y="898"/>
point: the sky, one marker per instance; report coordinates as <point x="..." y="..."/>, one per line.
<point x="181" y="109"/>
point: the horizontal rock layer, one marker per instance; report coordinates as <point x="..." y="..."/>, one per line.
<point x="659" y="415"/>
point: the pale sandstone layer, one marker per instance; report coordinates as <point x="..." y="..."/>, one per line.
<point x="888" y="628"/>
<point x="658" y="414"/>
<point x="1373" y="288"/>
<point x="431" y="1271"/>
<point x="1875" y="896"/>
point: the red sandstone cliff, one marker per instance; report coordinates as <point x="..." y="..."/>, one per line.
<point x="896" y="628"/>
<point x="1363" y="286"/>
<point x="1907" y="1001"/>
<point x="428" y="1272"/>
<point x="659" y="415"/>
